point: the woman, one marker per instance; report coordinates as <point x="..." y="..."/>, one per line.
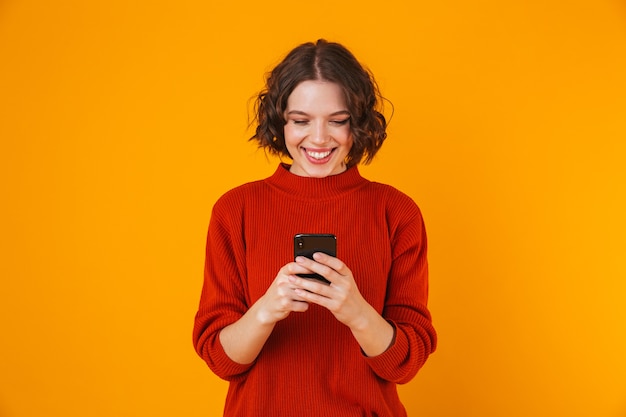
<point x="292" y="346"/>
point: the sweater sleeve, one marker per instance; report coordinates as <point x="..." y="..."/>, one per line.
<point x="223" y="297"/>
<point x="406" y="302"/>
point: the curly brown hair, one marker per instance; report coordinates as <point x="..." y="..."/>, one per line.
<point x="322" y="61"/>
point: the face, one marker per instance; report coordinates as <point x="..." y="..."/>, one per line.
<point x="317" y="132"/>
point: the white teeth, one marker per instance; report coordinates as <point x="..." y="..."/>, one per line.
<point x="318" y="155"/>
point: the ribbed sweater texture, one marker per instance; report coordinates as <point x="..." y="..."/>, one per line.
<point x="311" y="365"/>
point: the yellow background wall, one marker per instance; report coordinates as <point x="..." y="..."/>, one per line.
<point x="121" y="122"/>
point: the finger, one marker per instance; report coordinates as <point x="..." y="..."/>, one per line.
<point x="299" y="306"/>
<point x="314" y="298"/>
<point x="334" y="263"/>
<point x="289" y="300"/>
<point x="295" y="296"/>
<point x="285" y="288"/>
<point x="299" y="267"/>
<point x="316" y="267"/>
<point x="309" y="286"/>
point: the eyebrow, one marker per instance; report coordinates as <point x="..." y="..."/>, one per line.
<point x="302" y="113"/>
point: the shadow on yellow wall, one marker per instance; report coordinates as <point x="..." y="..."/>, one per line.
<point x="122" y="122"/>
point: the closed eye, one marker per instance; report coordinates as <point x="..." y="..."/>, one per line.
<point x="340" y="122"/>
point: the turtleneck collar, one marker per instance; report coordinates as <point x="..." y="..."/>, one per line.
<point x="309" y="188"/>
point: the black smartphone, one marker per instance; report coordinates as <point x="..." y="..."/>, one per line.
<point x="306" y="244"/>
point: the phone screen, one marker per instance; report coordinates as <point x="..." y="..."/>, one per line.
<point x="307" y="244"/>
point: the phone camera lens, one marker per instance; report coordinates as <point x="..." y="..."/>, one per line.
<point x="300" y="244"/>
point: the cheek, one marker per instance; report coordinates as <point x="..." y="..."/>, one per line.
<point x="347" y="136"/>
<point x="290" y="133"/>
<point x="292" y="140"/>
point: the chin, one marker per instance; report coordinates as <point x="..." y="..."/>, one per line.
<point x="325" y="171"/>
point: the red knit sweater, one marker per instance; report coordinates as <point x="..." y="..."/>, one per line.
<point x="311" y="365"/>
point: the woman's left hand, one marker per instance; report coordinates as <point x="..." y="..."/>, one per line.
<point x="342" y="297"/>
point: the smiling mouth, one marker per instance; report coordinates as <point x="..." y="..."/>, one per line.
<point x="318" y="155"/>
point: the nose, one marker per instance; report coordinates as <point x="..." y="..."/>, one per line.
<point x="319" y="133"/>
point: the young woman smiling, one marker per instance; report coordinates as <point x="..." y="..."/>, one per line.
<point x="296" y="346"/>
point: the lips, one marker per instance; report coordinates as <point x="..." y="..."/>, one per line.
<point x="316" y="154"/>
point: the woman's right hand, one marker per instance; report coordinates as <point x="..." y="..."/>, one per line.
<point x="281" y="299"/>
<point x="244" y="339"/>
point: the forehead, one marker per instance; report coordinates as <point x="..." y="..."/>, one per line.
<point x="317" y="95"/>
